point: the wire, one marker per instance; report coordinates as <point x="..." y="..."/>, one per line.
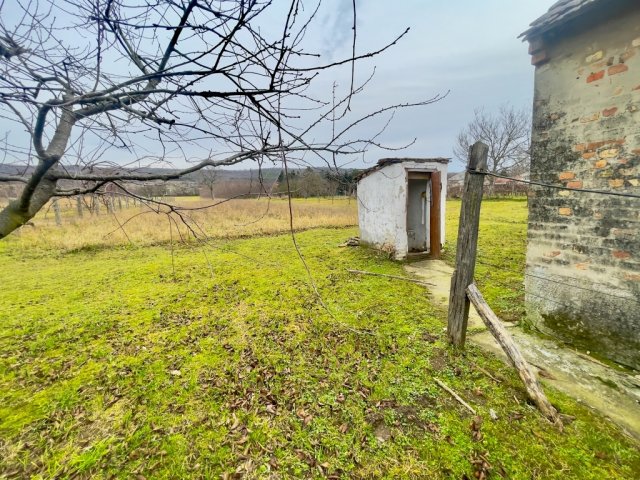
<point x="599" y="292"/>
<point x="557" y="187"/>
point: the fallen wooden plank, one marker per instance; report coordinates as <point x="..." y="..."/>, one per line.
<point x="395" y="277"/>
<point x="531" y="384"/>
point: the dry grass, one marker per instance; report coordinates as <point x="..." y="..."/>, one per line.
<point x="144" y="226"/>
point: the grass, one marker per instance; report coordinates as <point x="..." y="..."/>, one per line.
<point x="131" y="362"/>
<point x="501" y="259"/>
<point x="145" y="226"/>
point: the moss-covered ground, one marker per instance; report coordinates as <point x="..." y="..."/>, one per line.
<point x="128" y="362"/>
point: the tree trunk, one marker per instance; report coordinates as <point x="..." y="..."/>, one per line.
<point x="40" y="187"/>
<point x="20" y="211"/>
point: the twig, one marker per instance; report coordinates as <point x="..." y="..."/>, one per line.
<point x="487" y="373"/>
<point x="455" y="395"/>
<point x="395" y="277"/>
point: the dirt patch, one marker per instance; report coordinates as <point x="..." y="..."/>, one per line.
<point x="439" y="360"/>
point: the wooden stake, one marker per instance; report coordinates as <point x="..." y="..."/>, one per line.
<point x="56" y="210"/>
<point x="467" y="245"/>
<point x="79" y="206"/>
<point x="531" y="384"/>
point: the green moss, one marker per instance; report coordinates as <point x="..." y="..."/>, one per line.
<point x="114" y="365"/>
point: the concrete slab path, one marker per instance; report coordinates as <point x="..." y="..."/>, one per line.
<point x="614" y="393"/>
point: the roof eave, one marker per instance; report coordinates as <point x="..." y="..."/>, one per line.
<point x="537" y="30"/>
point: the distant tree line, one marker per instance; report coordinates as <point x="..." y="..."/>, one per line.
<point x="303" y="183"/>
<point x="311" y="182"/>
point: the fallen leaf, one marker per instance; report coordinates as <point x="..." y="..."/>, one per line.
<point x="476" y="423"/>
<point x="516" y="416"/>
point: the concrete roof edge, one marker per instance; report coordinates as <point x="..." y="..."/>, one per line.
<point x="384" y="162"/>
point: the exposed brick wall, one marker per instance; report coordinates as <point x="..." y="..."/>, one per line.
<point x="583" y="255"/>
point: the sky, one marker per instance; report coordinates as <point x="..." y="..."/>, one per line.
<point x="468" y="48"/>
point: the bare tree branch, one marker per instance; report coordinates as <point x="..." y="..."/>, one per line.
<point x="507" y="134"/>
<point x="108" y="89"/>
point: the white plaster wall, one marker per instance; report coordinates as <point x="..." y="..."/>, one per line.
<point x="382" y="203"/>
<point x="382" y="197"/>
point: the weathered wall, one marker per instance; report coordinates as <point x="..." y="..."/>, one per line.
<point x="583" y="255"/>
<point x="382" y="205"/>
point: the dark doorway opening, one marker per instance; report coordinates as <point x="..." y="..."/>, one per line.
<point x="423" y="213"/>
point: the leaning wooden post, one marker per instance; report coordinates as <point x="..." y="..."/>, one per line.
<point x="467" y="245"/>
<point x="531" y="384"/>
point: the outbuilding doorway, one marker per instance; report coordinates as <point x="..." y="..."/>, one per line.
<point x="423" y="213"/>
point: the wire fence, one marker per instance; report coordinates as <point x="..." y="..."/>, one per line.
<point x="555" y="186"/>
<point x="554" y="282"/>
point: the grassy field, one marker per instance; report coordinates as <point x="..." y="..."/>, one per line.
<point x="501" y="259"/>
<point x="218" y="361"/>
<point x="149" y="225"/>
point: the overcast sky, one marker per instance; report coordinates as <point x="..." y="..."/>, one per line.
<point x="467" y="47"/>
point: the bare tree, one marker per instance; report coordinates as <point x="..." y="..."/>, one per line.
<point x="209" y="177"/>
<point x="508" y="135"/>
<point x="107" y="89"/>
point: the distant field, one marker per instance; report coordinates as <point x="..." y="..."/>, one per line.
<point x="146" y="226"/>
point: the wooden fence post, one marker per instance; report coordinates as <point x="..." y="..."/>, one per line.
<point x="79" y="206"/>
<point x="56" y="211"/>
<point x="467" y="245"/>
<point x="108" y="200"/>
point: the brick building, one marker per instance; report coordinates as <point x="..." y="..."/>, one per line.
<point x="583" y="253"/>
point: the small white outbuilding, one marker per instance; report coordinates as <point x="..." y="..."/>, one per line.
<point x="401" y="205"/>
